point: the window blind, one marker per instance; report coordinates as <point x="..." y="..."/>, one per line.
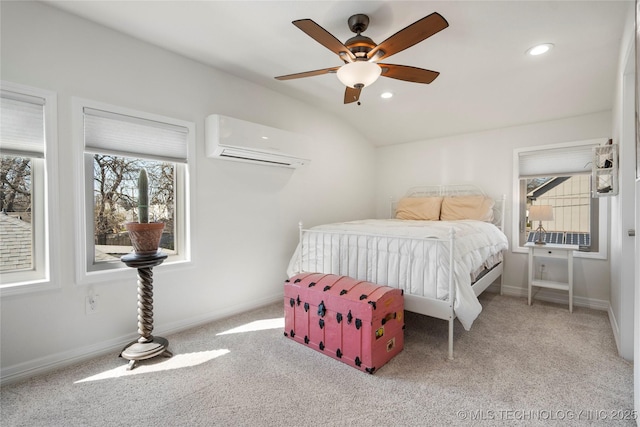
<point x="560" y="161"/>
<point x="21" y="124"/>
<point x="118" y="134"/>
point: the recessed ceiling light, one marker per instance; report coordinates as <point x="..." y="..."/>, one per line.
<point x="386" y="95"/>
<point x="540" y="49"/>
<point x="265" y="137"/>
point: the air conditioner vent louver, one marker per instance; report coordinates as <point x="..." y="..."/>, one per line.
<point x="257" y="156"/>
<point x="233" y="139"/>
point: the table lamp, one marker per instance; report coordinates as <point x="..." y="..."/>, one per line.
<point x="540" y="213"/>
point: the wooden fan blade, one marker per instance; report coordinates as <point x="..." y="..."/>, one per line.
<point x="325" y="38"/>
<point x="408" y="36"/>
<point x="308" y="74"/>
<point x="409" y="74"/>
<point x="351" y="94"/>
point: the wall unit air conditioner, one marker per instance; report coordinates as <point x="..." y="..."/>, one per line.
<point x="234" y="139"/>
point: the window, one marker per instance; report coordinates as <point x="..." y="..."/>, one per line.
<point x="571" y="205"/>
<point x="115" y="183"/>
<point x="558" y="176"/>
<point x="27" y="156"/>
<point x="116" y="144"/>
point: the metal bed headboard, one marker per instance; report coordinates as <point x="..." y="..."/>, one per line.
<point x="456" y="190"/>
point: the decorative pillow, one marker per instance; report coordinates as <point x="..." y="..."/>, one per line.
<point x="419" y="208"/>
<point x="467" y="207"/>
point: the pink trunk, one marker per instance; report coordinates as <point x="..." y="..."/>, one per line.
<point x="358" y="323"/>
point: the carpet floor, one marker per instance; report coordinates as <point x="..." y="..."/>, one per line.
<point x="537" y="365"/>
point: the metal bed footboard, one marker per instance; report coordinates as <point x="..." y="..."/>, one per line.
<point x="416" y="302"/>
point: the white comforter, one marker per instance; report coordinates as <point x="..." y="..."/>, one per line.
<point x="409" y="255"/>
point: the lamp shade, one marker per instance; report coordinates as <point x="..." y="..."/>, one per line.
<point x="359" y="74"/>
<point x="541" y="213"/>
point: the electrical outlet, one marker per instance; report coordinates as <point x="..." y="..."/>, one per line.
<point x="92" y="304"/>
<point x="543" y="269"/>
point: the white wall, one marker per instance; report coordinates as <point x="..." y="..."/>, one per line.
<point x="622" y="207"/>
<point x="245" y="216"/>
<point x="486" y="159"/>
<point x="636" y="321"/>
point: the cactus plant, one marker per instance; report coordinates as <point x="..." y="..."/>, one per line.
<point x="143" y="197"/>
<point x="145" y="236"/>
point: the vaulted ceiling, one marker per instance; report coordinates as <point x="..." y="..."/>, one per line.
<point x="486" y="82"/>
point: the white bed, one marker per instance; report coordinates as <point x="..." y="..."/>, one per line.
<point x="436" y="263"/>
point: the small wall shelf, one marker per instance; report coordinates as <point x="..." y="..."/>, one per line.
<point x="604" y="173"/>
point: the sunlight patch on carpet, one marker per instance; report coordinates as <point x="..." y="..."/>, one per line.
<point x="258" y="325"/>
<point x="176" y="362"/>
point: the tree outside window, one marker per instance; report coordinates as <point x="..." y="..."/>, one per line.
<point x="16" y="246"/>
<point x="115" y="200"/>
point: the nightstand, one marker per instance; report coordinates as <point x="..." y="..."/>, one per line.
<point x="551" y="250"/>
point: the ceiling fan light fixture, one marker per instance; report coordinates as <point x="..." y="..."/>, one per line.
<point x="359" y="73"/>
<point x="360" y="53"/>
<point x="539" y="49"/>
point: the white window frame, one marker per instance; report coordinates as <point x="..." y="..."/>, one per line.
<point x="603" y="207"/>
<point x="44" y="210"/>
<point x="87" y="270"/>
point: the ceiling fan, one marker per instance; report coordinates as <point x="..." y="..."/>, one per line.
<point x="361" y="55"/>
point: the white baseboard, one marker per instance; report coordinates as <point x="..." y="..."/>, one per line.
<point x="192" y="322"/>
<point x="24" y="370"/>
<point x="557" y="297"/>
<point x="614" y="327"/>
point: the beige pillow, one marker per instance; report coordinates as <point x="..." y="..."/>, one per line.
<point x="467" y="207"/>
<point x="419" y="208"/>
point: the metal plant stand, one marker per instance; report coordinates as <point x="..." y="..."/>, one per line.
<point x="147" y="346"/>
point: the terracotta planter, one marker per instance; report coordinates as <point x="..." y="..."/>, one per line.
<point x="145" y="237"/>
